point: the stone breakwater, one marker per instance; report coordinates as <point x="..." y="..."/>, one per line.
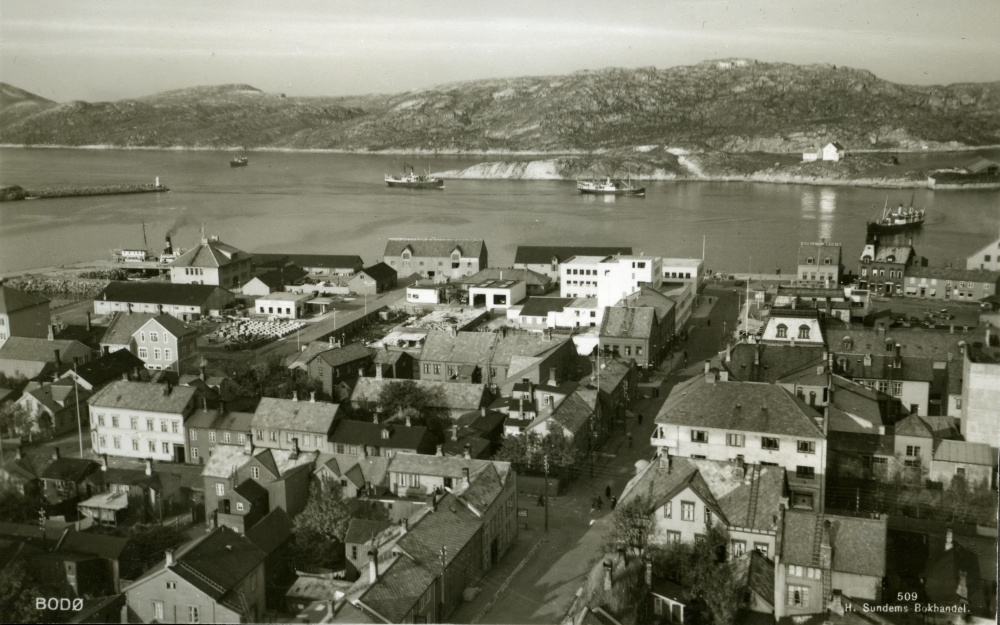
<point x="65" y="288"/>
<point x="16" y="193"/>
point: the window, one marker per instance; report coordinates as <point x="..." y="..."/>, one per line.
<point x="668" y="510"/>
<point x="211" y="436"/>
<point x="806" y="473"/>
<point x="117" y="440"/>
<point x="807" y="447"/>
<point x="166" y="448"/>
<point x="158" y="610"/>
<point x="708" y="516"/>
<point x="699" y="436"/>
<point x="912" y="450"/>
<point x="175" y="427"/>
<point x="241" y="439"/>
<point x="809" y="260"/>
<point x="761" y="548"/>
<point x="628" y="350"/>
<point x="427" y="368"/>
<point x="239" y="506"/>
<point x="739" y="547"/>
<point x="194" y="453"/>
<point x="260" y="435"/>
<point x="354" y="552"/>
<point x="134" y="423"/>
<point x="171" y="585"/>
<point x="194" y="615"/>
<point x="437" y="369"/>
<point x="100" y="420"/>
<point x="114" y="422"/>
<point x="735" y="440"/>
<point x="813" y="573"/>
<point x="156" y="354"/>
<point x="687" y="511"/>
<point x="154" y="337"/>
<point x="220" y="489"/>
<point x="803" y="332"/>
<point x="274" y="437"/>
<point x="193" y="435"/>
<point x="782" y="331"/>
<point x="960" y="471"/>
<point x="798" y="596"/>
<point x="142" y="337"/>
<point x="163" y="425"/>
<point x="255" y="473"/>
<point x="167" y="354"/>
<point x="135" y="444"/>
<point x="226" y="436"/>
<point x="638" y="350"/>
<point x="149" y="425"/>
<point x="768" y="443"/>
<point x="795" y="571"/>
<point x="673" y="537"/>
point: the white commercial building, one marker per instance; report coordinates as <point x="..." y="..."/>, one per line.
<point x="609" y="279"/>
<point x="283" y="305"/>
<point x="141" y="420"/>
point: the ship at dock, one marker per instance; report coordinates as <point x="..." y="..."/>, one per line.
<point x="413" y="180"/>
<point x="144" y="255"/>
<point x="239" y="161"/>
<point x="609" y="186"/>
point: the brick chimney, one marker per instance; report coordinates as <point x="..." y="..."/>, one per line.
<point x="373" y="564"/>
<point x="169" y="554"/>
<point x="608" y="569"/>
<point x="465" y="475"/>
<point x="295" y="396"/>
<point x="104" y="462"/>
<point x="149" y="467"/>
<point x="312" y="397"/>
<point x="55" y="453"/>
<point x="468" y="453"/>
<point x="58" y="358"/>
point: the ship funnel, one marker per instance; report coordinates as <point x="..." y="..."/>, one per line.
<point x="169" y="249"/>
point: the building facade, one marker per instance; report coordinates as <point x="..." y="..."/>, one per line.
<point x="140" y="420"/>
<point x="438" y="259"/>
<point x="945" y="283"/>
<point x="22" y="314"/>
<point x="212" y="262"/>
<point x="820" y="264"/>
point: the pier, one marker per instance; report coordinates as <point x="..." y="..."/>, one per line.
<point x="17" y="193"/>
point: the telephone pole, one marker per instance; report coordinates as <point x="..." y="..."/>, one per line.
<point x="545" y="460"/>
<point x="444" y="559"/>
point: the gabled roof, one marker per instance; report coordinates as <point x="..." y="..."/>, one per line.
<point x="770" y="363"/>
<point x="216" y="420"/>
<point x="55" y="396"/>
<point x="369" y="434"/>
<point x="543" y="254"/>
<point x="859" y="544"/>
<point x="300" y="360"/>
<point x="12" y="300"/>
<point x="160" y="293"/>
<point x="250" y="490"/>
<point x="224" y="460"/>
<point x="346" y="354"/>
<point x="435" y="248"/>
<point x="572" y="413"/>
<point x="755" y="571"/>
<point x="68" y="469"/>
<point x="281" y="462"/>
<point x="913" y="425"/>
<point x="981" y="164"/>
<point x="649" y="298"/>
<point x="740" y="406"/>
<point x="41" y="350"/>
<point x="528" y="276"/>
<point x="445" y="466"/>
<point x="818" y="251"/>
<point x="209" y="253"/>
<point x="172" y="324"/>
<point x="360" y="531"/>
<point x="123" y="326"/>
<point x="528" y="344"/>
<point x="628" y="323"/>
<point x="326" y="261"/>
<point x="542" y="306"/>
<point x="23" y="468"/>
<point x="108" y="367"/>
<point x="966" y="453"/>
<point x="300" y="416"/>
<point x="143" y="396"/>
<point x="380" y="272"/>
<point x="370" y="469"/>
<point x="450" y="395"/>
<point x="464" y="347"/>
<point x="954" y="274"/>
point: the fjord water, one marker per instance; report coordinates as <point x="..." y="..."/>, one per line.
<point x="338" y="204"/>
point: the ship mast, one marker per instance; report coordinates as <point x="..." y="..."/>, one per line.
<point x="145" y="244"/>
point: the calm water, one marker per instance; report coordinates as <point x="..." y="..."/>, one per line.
<point x="338" y="204"/>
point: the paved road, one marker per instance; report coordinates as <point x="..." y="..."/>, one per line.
<point x="537" y="581"/>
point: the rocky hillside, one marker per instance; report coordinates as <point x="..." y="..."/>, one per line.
<point x="733" y="107"/>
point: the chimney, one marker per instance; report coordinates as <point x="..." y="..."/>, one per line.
<point x="408" y="422"/>
<point x="375" y="419"/>
<point x="125" y="377"/>
<point x="312" y="397"/>
<point x="520" y="407"/>
<point x="431" y="502"/>
<point x="607" y="574"/>
<point x="58" y="358"/>
<point x="729" y="353"/>
<point x="649" y="573"/>
<point x="295" y="396"/>
<point x="665" y="461"/>
<point x="167" y="387"/>
<point x="149" y="466"/>
<point x="55" y="453"/>
<point x="248" y="445"/>
<point x="440" y="451"/>
<point x="204" y="403"/>
<point x="708" y="367"/>
<point x="361" y="372"/>
<point x="89" y="324"/>
<point x="51" y="332"/>
<point x="552" y="376"/>
<point x="373" y="565"/>
<point x="19" y="453"/>
<point x="881" y="330"/>
<point x="948" y="539"/>
<point x="723" y="376"/>
<point x="741" y="467"/>
<point x="482" y="411"/>
<point x="962" y="590"/>
<point x="169" y="554"/>
<point x="898" y="361"/>
<point x="756" y="357"/>
<point x="331" y="341"/>
<point x="222" y="406"/>
<point x="468" y="453"/>
<point x="465" y="475"/>
<point x="104" y="462"/>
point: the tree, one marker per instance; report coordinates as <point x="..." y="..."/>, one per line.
<point x="146" y="545"/>
<point x="16" y="419"/>
<point x="267" y="376"/>
<point x="320" y="527"/>
<point x="527" y="452"/>
<point x="630" y="525"/>
<point x="18" y="508"/>
<point x="18" y="591"/>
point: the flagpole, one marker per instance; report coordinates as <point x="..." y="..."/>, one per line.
<point x="79" y="421"/>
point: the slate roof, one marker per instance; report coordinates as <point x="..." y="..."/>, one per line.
<point x="250" y="490"/>
<point x="819" y="251"/>
<point x="740" y="406"/>
<point x="388" y="356"/>
<point x="226" y="459"/>
<point x="435" y="248"/>
<point x="445" y="466"/>
<point x="108" y="367"/>
<point x="124" y="326"/>
<point x="776" y="361"/>
<point x="398" y="588"/>
<point x="214" y="420"/>
<point x="346" y="354"/>
<point x="360" y="531"/>
<point x="756" y="572"/>
<point x="12" y="300"/>
<point x="143" y="396"/>
<point x="572" y="413"/>
<point x="451" y="395"/>
<point x="543" y="254"/>
<point x="160" y="293"/>
<point x="956" y="274"/>
<point x="209" y="253"/>
<point x="326" y="261"/>
<point x="380" y="272"/>
<point x="217" y="563"/>
<point x="528" y="276"/>
<point x="55" y="396"/>
<point x="464" y="347"/>
<point x="798" y="537"/>
<point x="915" y="342"/>
<point x="915" y="426"/>
<point x="272" y="531"/>
<point x="859" y="544"/>
<point x="629" y="323"/>
<point x="524" y="344"/>
<point x="311" y="350"/>
<point x="300" y="416"/>
<point x="174" y="326"/>
<point x="68" y="469"/>
<point x="41" y="350"/>
<point x="965" y="452"/>
<point x="651" y="298"/>
<point x="542" y="306"/>
<point x="901" y="254"/>
<point x="351" y="432"/>
<point x="743" y="500"/>
<point x="370" y="469"/>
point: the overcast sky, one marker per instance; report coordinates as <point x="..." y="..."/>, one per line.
<point x="111" y="49"/>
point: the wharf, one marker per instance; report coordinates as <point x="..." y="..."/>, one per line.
<point x="16" y="193"/>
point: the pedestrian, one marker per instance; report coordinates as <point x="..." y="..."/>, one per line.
<point x="614" y="502"/>
<point x="607" y="491"/>
<point x="639" y="418"/>
<point x="541" y="500"/>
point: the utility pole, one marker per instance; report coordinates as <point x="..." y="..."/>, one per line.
<point x="79" y="421"/>
<point x="444" y="559"/>
<point x="545" y="461"/>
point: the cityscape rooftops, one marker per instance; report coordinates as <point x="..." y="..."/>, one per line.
<point x="159" y="293"/>
<point x="298" y="416"/>
<point x="144" y="396"/>
<point x="210" y="253"/>
<point x="435" y="248"/>
<point x="955" y="274"/>
<point x="544" y="254"/>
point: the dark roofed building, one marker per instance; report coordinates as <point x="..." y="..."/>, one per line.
<point x="187" y="302"/>
<point x="318" y="265"/>
<point x="947" y="283"/>
<point x="439" y="259"/>
<point x="109" y="367"/>
<point x="535" y="283"/>
<point x="32" y="357"/>
<point x="383" y="439"/>
<point x="373" y="280"/>
<point x="341" y="364"/>
<point x="535" y="310"/>
<point x="22" y="314"/>
<point x="289" y="424"/>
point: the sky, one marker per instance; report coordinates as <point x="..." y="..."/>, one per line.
<point x="113" y="49"/>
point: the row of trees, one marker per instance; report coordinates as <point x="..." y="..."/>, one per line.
<point x="528" y="451"/>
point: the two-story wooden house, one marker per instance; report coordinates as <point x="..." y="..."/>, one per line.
<point x="166" y="343"/>
<point x="291" y="424"/>
<point x="438" y="259"/>
<point x="141" y="420"/>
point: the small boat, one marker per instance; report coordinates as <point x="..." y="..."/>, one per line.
<point x="899" y="220"/>
<point x="609" y="186"/>
<point x="239" y="161"/>
<point x="412" y="180"/>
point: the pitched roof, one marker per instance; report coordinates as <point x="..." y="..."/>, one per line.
<point x="226" y="459"/>
<point x="160" y="293"/>
<point x="41" y="350"/>
<point x="174" y="326"/>
<point x="370" y="469"/>
<point x="543" y="254"/>
<point x="299" y="360"/>
<point x="360" y="531"/>
<point x="217" y="563"/>
<point x="650" y="298"/>
<point x="445" y="466"/>
<point x="369" y="434"/>
<point x="12" y="300"/>
<point x="346" y="354"/>
<point x="859" y="544"/>
<point x="572" y="413"/>
<point x="740" y="406"/>
<point x="913" y="425"/>
<point x="288" y="414"/>
<point x="756" y="572"/>
<point x="123" y="326"/>
<point x="524" y="344"/>
<point x="327" y="261"/>
<point x="770" y="363"/>
<point x="630" y="323"/>
<point x="464" y="347"/>
<point x="899" y="254"/>
<point x="216" y="420"/>
<point x="542" y="306"/>
<point x="965" y="452"/>
<point x="209" y="253"/>
<point x="435" y="248"/>
<point x="380" y="272"/>
<point x="108" y="367"/>
<point x="143" y="396"/>
<point x="956" y="274"/>
<point x="272" y="531"/>
<point x="914" y="342"/>
<point x="250" y="490"/>
<point x="528" y="276"/>
<point x="450" y="395"/>
<point x="55" y="396"/>
<point x="799" y="537"/>
<point x="819" y="251"/>
<point x="68" y="469"/>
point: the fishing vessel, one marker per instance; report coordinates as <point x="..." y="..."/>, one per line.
<point x="897" y="220"/>
<point x="240" y="160"/>
<point x="609" y="186"/>
<point x="413" y="180"/>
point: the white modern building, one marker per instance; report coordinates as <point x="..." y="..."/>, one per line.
<point x="609" y="279"/>
<point x="141" y="420"/>
<point x="283" y="305"/>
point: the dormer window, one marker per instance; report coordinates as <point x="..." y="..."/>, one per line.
<point x="407" y="254"/>
<point x="782" y="331"/>
<point x="826" y="261"/>
<point x="809" y="260"/>
<point x="866" y="259"/>
<point x="803" y="331"/>
<point x="890" y="259"/>
<point x="890" y="345"/>
<point x="385" y="434"/>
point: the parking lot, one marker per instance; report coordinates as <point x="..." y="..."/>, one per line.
<point x="924" y="313"/>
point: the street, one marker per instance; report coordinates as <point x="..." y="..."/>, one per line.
<point x="537" y="581"/>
